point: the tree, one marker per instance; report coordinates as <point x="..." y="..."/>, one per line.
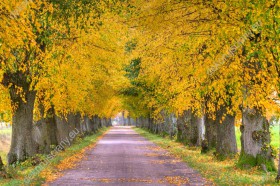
<point x="40" y="31"/>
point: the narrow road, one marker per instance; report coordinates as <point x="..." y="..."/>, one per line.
<point x="124" y="158"/>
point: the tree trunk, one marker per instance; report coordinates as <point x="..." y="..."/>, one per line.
<point x="94" y="123"/>
<point x="1" y="164"/>
<point x="88" y="125"/>
<point x="74" y="120"/>
<point x="193" y="129"/>
<point x="278" y="175"/>
<point x="63" y="129"/>
<point x="129" y="120"/>
<point x="182" y="127"/>
<point x="226" y="139"/>
<point x="171" y="123"/>
<point x="255" y="140"/>
<point x="108" y="122"/>
<point x="23" y="144"/>
<point x="137" y="122"/>
<point x="44" y="131"/>
<point x="199" y="121"/>
<point x="123" y="119"/>
<point x="51" y="126"/>
<point x="210" y="131"/>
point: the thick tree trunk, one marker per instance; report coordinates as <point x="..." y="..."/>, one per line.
<point x="171" y="125"/>
<point x="226" y="139"/>
<point x="83" y="126"/>
<point x="44" y="132"/>
<point x="23" y="144"/>
<point x="255" y="140"/>
<point x="199" y="121"/>
<point x="62" y="129"/>
<point x="192" y="129"/>
<point x="95" y="123"/>
<point x="210" y="132"/>
<point x="74" y="120"/>
<point x="89" y="125"/>
<point x="182" y="128"/>
<point x="51" y="126"/>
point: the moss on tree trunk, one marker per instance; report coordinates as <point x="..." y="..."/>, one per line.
<point x="255" y="141"/>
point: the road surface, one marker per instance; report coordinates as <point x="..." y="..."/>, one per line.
<point x="124" y="158"/>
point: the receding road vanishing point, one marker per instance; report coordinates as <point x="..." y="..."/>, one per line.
<point x="124" y="158"/>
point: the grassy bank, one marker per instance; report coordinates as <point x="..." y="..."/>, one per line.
<point x="219" y="172"/>
<point x="64" y="160"/>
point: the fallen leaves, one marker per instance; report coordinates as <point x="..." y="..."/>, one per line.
<point x="122" y="180"/>
<point x="50" y="174"/>
<point x="166" y="161"/>
<point x="175" y="180"/>
<point x="151" y="154"/>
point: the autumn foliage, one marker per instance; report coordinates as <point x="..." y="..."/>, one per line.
<point x="209" y="65"/>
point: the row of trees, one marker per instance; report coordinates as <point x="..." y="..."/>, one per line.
<point x="60" y="67"/>
<point x="209" y="64"/>
<point x="212" y="65"/>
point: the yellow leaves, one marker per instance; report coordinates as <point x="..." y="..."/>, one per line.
<point x="175" y="180"/>
<point x="5" y="108"/>
<point x="177" y="48"/>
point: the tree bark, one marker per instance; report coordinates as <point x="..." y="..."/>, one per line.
<point x="44" y="131"/>
<point x="278" y="175"/>
<point x="187" y="125"/>
<point x="199" y="121"/>
<point x="171" y="124"/>
<point x="89" y="127"/>
<point x="74" y="120"/>
<point x="210" y="131"/>
<point x="23" y="144"/>
<point x="94" y="122"/>
<point x="182" y="127"/>
<point x="255" y="140"/>
<point x="1" y="164"/>
<point x="226" y="139"/>
<point x="62" y="129"/>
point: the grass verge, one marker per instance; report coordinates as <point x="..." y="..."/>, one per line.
<point x="219" y="172"/>
<point x="64" y="160"/>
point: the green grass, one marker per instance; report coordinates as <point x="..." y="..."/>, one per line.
<point x="220" y="172"/>
<point x="3" y="156"/>
<point x="24" y="169"/>
<point x="6" y="131"/>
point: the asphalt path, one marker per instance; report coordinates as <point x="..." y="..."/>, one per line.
<point x="124" y="158"/>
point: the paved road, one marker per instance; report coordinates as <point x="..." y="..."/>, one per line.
<point x="124" y="158"/>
